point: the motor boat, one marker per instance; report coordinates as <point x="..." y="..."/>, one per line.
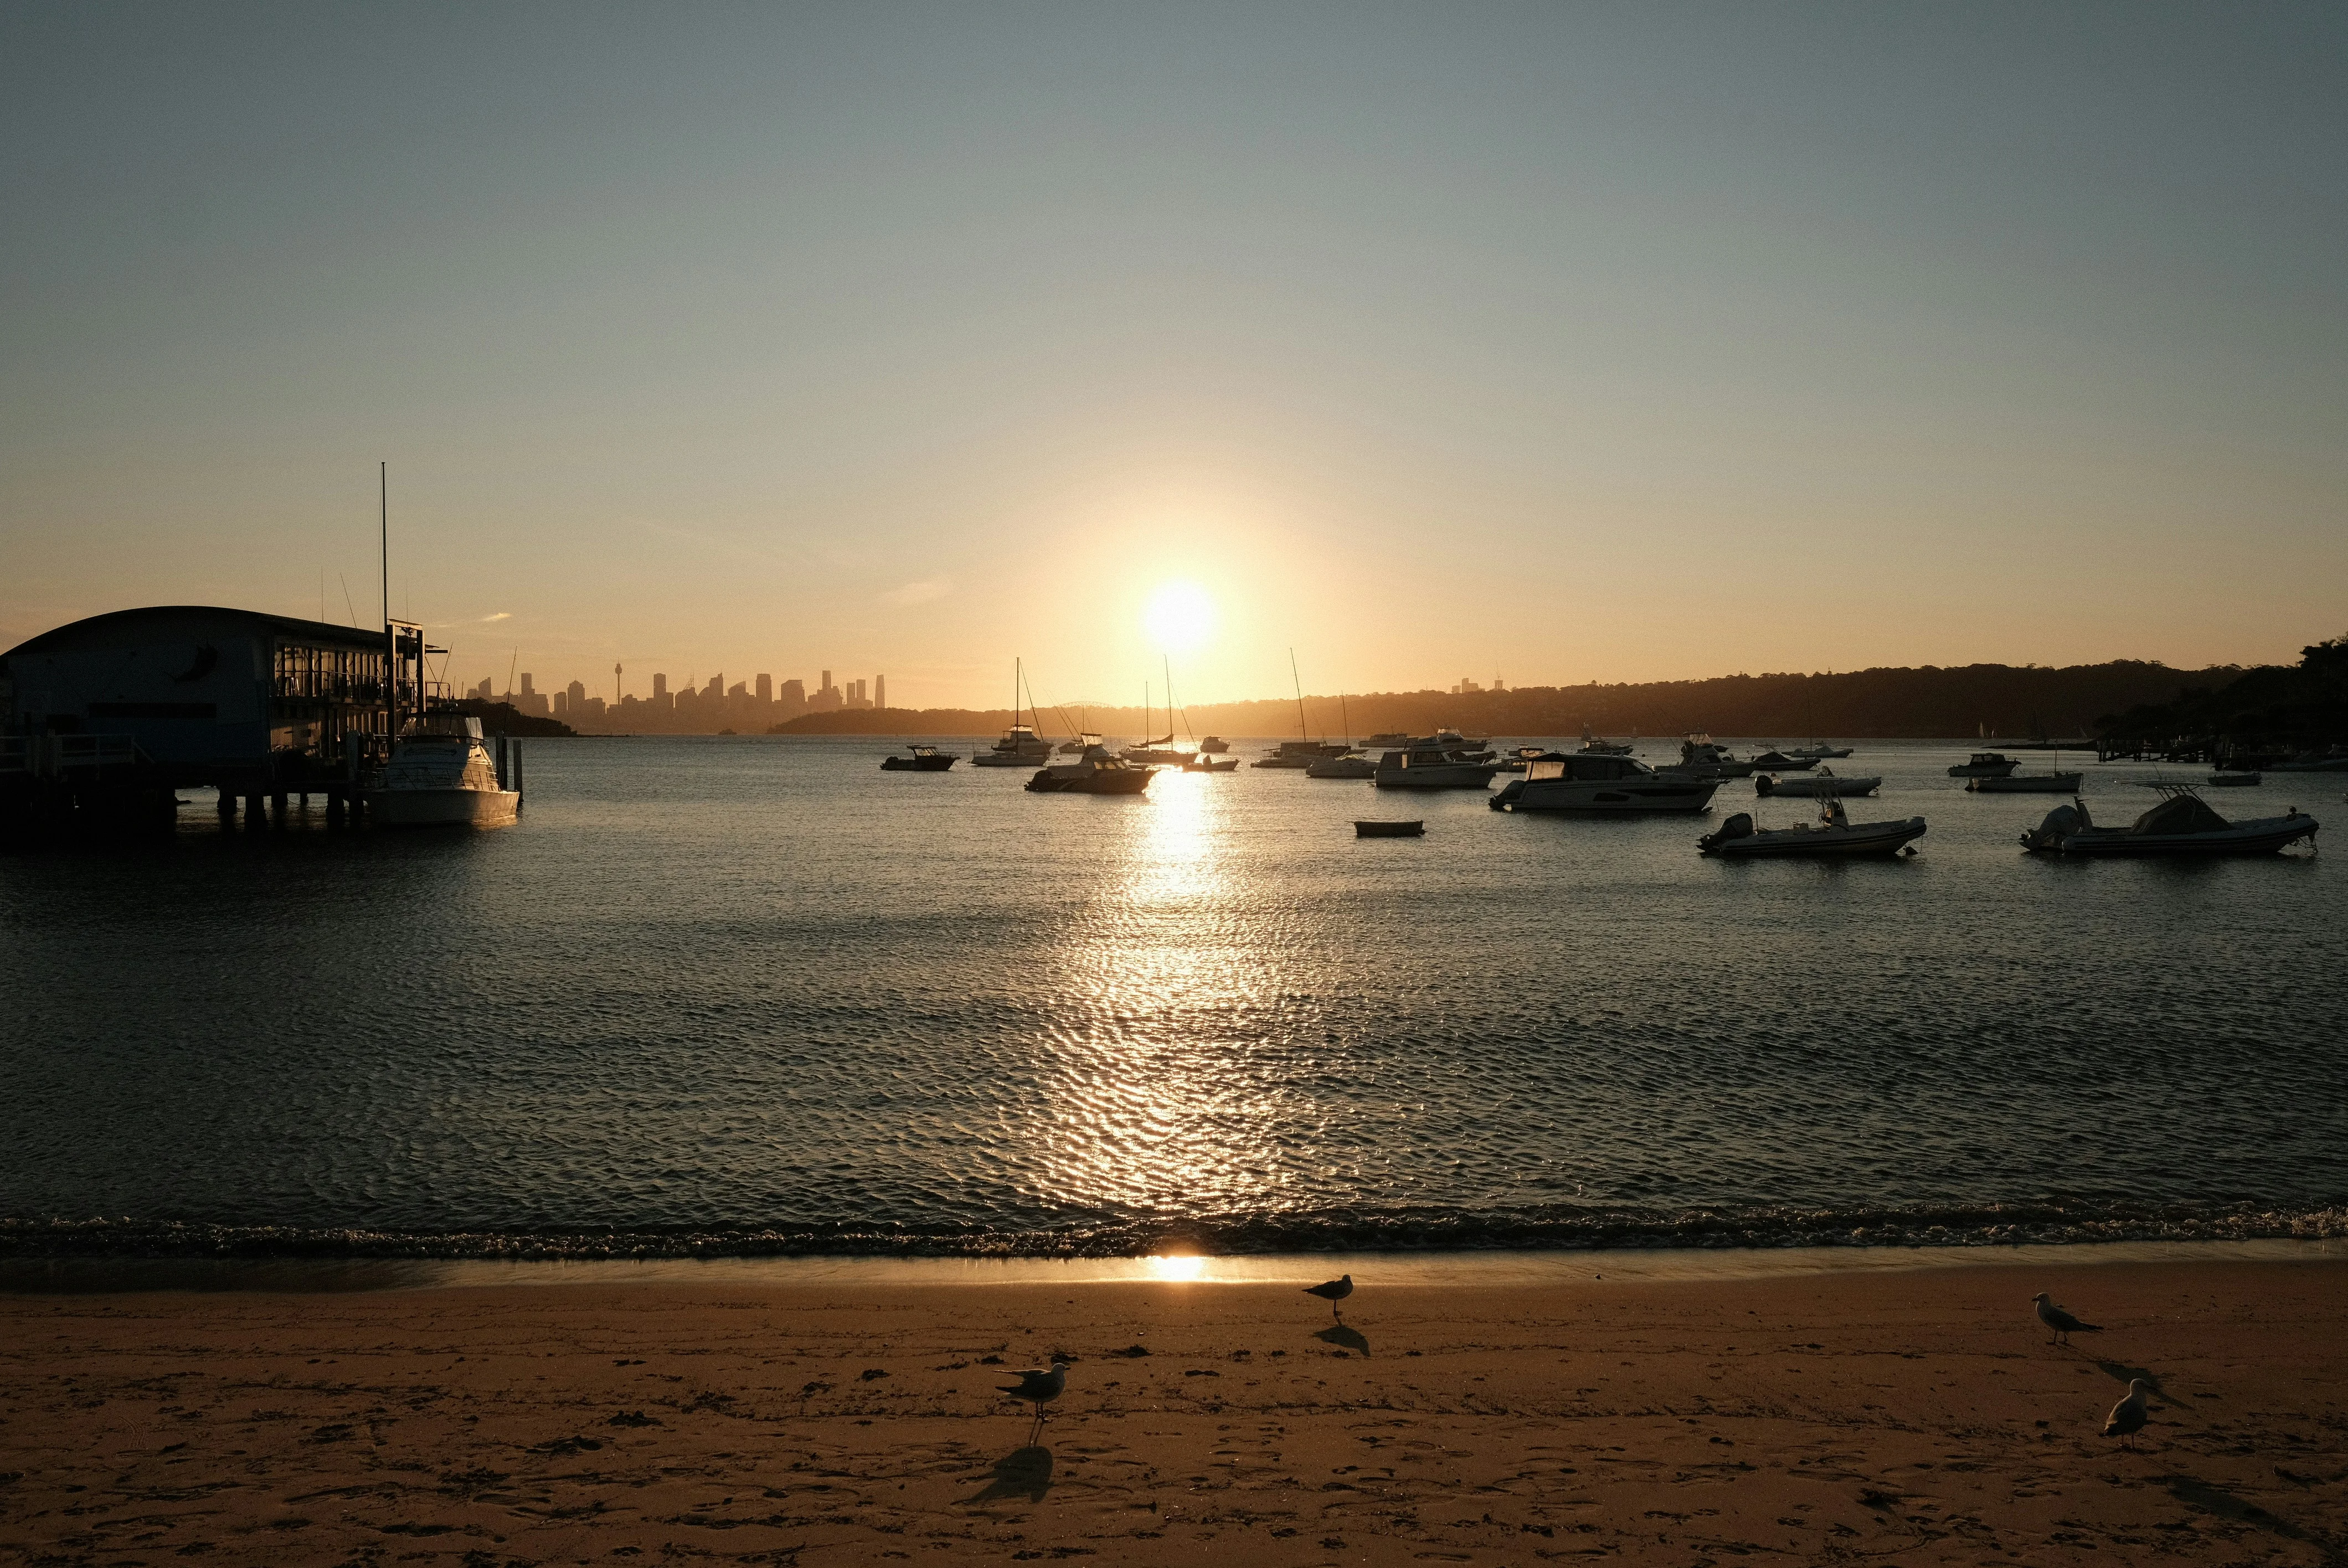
<point x="1583" y="781"/>
<point x="1020" y="747"/>
<point x="1386" y="740"/>
<point x="441" y="775"/>
<point x="1301" y="755"/>
<point x="1078" y="745"/>
<point x="2234" y="781"/>
<point x="2057" y="783"/>
<point x="1425" y="764"/>
<point x="2182" y="824"/>
<point x="1199" y="762"/>
<point x="1389" y="829"/>
<point x="1095" y="772"/>
<point x="1516" y="761"/>
<point x="1352" y="765"/>
<point x="1833" y="835"/>
<point x="1820" y="751"/>
<point x="1593" y="746"/>
<point x="1783" y="762"/>
<point x="1826" y="782"/>
<point x="918" y="760"/>
<point x="1705" y="757"/>
<point x="1984" y="766"/>
<point x="1214" y="745"/>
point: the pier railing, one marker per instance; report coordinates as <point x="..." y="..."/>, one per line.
<point x="45" y="757"/>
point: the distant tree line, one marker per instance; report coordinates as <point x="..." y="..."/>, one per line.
<point x="2013" y="701"/>
<point x="2277" y="710"/>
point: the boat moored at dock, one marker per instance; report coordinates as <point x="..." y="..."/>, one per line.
<point x="440" y="774"/>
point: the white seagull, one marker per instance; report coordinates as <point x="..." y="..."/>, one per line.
<point x="2062" y="1322"/>
<point x="1333" y="1292"/>
<point x="1041" y="1386"/>
<point x="2127" y="1416"/>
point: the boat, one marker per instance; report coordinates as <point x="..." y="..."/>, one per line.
<point x="1386" y="741"/>
<point x="2182" y="824"/>
<point x="1583" y="781"/>
<point x="1605" y="747"/>
<point x="1777" y="761"/>
<point x="1199" y="761"/>
<point x="1078" y="744"/>
<point x="1816" y="787"/>
<point x="440" y="774"/>
<point x="1819" y="751"/>
<point x="1021" y="746"/>
<point x="1303" y="752"/>
<point x="2235" y="781"/>
<point x="1425" y="764"/>
<point x="1161" y="751"/>
<point x="918" y="760"/>
<point x="1984" y="766"/>
<point x="1351" y="766"/>
<point x="1095" y="772"/>
<point x="1704" y="756"/>
<point x="2057" y="783"/>
<point x="1516" y="761"/>
<point x="1389" y="830"/>
<point x="1833" y="835"/>
<point x="1214" y="745"/>
<point x="2332" y="762"/>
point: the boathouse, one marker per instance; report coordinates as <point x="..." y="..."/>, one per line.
<point x="122" y="705"/>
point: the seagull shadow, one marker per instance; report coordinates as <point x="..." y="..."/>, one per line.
<point x="2197" y="1493"/>
<point x="1346" y="1334"/>
<point x="2122" y="1373"/>
<point x="1023" y="1472"/>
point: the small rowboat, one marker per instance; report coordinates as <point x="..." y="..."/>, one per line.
<point x="1389" y="829"/>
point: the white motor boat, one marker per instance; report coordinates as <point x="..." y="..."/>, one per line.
<point x="1214" y="745"/>
<point x="1301" y="755"/>
<point x="1819" y="785"/>
<point x="1833" y="835"/>
<point x="2181" y="825"/>
<point x="1427" y="765"/>
<point x="1596" y="782"/>
<point x="1707" y="758"/>
<point x="1984" y="766"/>
<point x="1352" y="765"/>
<point x="440" y="774"/>
<point x="1095" y="772"/>
<point x="1020" y="747"/>
<point x="1386" y="740"/>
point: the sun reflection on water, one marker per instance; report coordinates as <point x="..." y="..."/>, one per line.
<point x="1181" y="1267"/>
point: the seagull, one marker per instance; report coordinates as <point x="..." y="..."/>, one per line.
<point x="2062" y="1322"/>
<point x="1333" y="1292"/>
<point x="1041" y="1386"/>
<point x="2127" y="1416"/>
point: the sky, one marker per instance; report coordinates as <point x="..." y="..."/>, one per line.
<point x="1555" y="342"/>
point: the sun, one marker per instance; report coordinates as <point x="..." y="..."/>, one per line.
<point x="1180" y="616"/>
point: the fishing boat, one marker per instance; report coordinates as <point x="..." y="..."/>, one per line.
<point x="1389" y="829"/>
<point x="1582" y="781"/>
<point x="1095" y="772"/>
<point x="2181" y="825"/>
<point x="440" y="774"/>
<point x="1984" y="766"/>
<point x="1833" y="835"/>
<point x="918" y="760"/>
<point x="1426" y="764"/>
<point x="1021" y="746"/>
<point x="1816" y="787"/>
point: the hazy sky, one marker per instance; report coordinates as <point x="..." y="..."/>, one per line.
<point x="1558" y="341"/>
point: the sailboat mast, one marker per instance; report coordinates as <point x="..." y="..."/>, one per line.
<point x="1301" y="732"/>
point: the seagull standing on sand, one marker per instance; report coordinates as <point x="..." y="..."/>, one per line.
<point x="2127" y="1416"/>
<point x="1041" y="1386"/>
<point x="1333" y="1292"/>
<point x="2062" y="1322"/>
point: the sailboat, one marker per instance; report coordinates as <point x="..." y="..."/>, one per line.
<point x="1305" y="750"/>
<point x="1021" y="746"/>
<point x="1348" y="763"/>
<point x="1161" y="750"/>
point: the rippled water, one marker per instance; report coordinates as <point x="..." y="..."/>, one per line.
<point x="746" y="994"/>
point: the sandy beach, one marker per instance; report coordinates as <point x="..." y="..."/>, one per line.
<point x="1914" y="1417"/>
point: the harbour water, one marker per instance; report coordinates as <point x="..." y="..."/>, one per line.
<point x="731" y="997"/>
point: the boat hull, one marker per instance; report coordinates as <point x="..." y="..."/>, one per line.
<point x="2027" y="784"/>
<point x="1816" y="788"/>
<point x="1389" y="829"/>
<point x="1104" y="781"/>
<point x="936" y="765"/>
<point x="1856" y="841"/>
<point x="444" y="807"/>
<point x="1607" y="797"/>
<point x="2264" y="837"/>
<point x="1008" y="760"/>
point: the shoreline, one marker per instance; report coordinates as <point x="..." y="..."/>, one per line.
<point x="1920" y="1416"/>
<point x="1464" y="1269"/>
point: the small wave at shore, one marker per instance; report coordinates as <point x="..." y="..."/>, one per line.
<point x="1398" y="1231"/>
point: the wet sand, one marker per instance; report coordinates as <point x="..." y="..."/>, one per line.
<point x="1912" y="1417"/>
